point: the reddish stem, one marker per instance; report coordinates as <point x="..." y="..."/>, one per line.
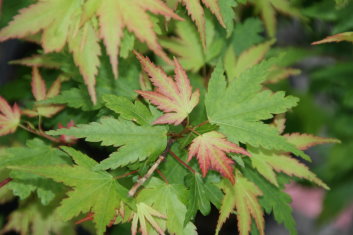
<point x="5" y="182"/>
<point x="182" y="162"/>
<point x="87" y="218"/>
<point x="162" y="176"/>
<point x="126" y="174"/>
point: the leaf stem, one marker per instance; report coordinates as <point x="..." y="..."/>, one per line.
<point x="39" y="133"/>
<point x="154" y="167"/>
<point x="5" y="182"/>
<point x="125" y="175"/>
<point x="162" y="176"/>
<point x="182" y="162"/>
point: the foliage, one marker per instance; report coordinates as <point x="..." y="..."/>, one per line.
<point x="126" y="155"/>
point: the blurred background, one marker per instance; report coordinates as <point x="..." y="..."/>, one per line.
<point x="325" y="89"/>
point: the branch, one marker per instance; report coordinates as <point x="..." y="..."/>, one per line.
<point x="160" y="159"/>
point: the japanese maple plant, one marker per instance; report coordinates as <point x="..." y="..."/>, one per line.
<point x="148" y="112"/>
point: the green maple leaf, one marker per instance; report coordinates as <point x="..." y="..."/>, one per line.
<point x="201" y="195"/>
<point x="93" y="191"/>
<point x="242" y="197"/>
<point x="35" y="153"/>
<point x="33" y="218"/>
<point x="274" y="200"/>
<point x="144" y="213"/>
<point x="76" y="23"/>
<point x="128" y="110"/>
<point x="267" y="163"/>
<point x="166" y="198"/>
<point x="136" y="143"/>
<point x="246" y="106"/>
<point x="268" y="12"/>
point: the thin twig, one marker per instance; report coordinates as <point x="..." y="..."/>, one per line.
<point x="40" y="133"/>
<point x="182" y="162"/>
<point x="149" y="173"/>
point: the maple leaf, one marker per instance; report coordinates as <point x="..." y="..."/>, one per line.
<point x="34" y="153"/>
<point x="114" y="15"/>
<point x="166" y="198"/>
<point x="240" y="116"/>
<point x="40" y="93"/>
<point x="267" y="162"/>
<point x="210" y="149"/>
<point x="136" y="142"/>
<point x="143" y="213"/>
<point x="175" y="98"/>
<point x="242" y="196"/>
<point x="9" y="117"/>
<point x="93" y="191"/>
<point x="64" y="22"/>
<point x="305" y="141"/>
<point x="346" y="36"/>
<point x="34" y="218"/>
<point x="268" y="12"/>
<point x="196" y="12"/>
<point x="274" y="200"/>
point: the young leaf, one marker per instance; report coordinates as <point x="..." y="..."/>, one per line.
<point x="210" y="150"/>
<point x="86" y="51"/>
<point x="94" y="191"/>
<point x="9" y="117"/>
<point x="266" y="163"/>
<point x="197" y="14"/>
<point x="347" y="36"/>
<point x="187" y="46"/>
<point x="274" y="200"/>
<point x="114" y="15"/>
<point x="242" y="196"/>
<point x="268" y="13"/>
<point x="239" y="117"/>
<point x="305" y="141"/>
<point x="144" y="213"/>
<point x="40" y="93"/>
<point x="175" y="98"/>
<point x="136" y="142"/>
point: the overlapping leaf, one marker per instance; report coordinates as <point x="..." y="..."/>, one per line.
<point x="72" y="22"/>
<point x="241" y="107"/>
<point x="243" y="198"/>
<point x="268" y="162"/>
<point x="268" y="12"/>
<point x="9" y="117"/>
<point x="175" y="98"/>
<point x="197" y="14"/>
<point x="136" y="142"/>
<point x="145" y="214"/>
<point x="94" y="191"/>
<point x="210" y="149"/>
<point x="166" y="198"/>
<point x="35" y="153"/>
<point x="40" y="93"/>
